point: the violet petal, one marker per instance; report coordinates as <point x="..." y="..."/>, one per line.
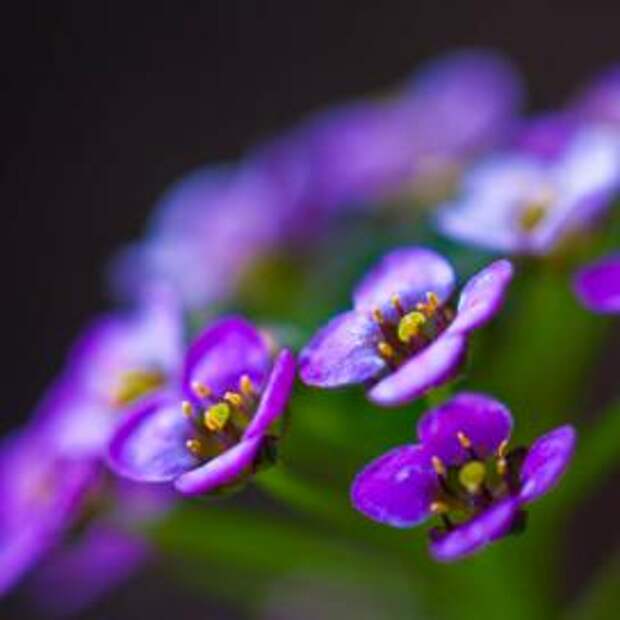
<point x="342" y="352"/>
<point x="483" y="420"/>
<point x="397" y="488"/>
<point x="433" y="366"/>
<point x="149" y="445"/>
<point x="472" y="536"/>
<point x="598" y="285"/>
<point x="546" y="461"/>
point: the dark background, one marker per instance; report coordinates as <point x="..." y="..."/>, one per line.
<point x="105" y="103"/>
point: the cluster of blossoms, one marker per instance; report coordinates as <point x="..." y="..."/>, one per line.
<point x="147" y="398"/>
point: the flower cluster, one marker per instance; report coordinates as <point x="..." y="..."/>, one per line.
<point x="153" y="395"/>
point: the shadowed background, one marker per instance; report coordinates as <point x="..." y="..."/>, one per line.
<point x="105" y="103"/>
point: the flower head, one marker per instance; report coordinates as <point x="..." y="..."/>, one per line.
<point x="403" y="336"/>
<point x="211" y="431"/>
<point x="463" y="471"/>
<point x="206" y="231"/>
<point x="42" y="492"/>
<point x="117" y="361"/>
<point x="525" y="203"/>
<point x="598" y="285"/>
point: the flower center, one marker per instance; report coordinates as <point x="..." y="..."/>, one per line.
<point x="468" y="489"/>
<point x="411" y="330"/>
<point x="536" y="208"/>
<point x="219" y="422"/>
<point x="134" y="384"/>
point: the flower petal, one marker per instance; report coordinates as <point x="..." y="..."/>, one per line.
<point x="472" y="536"/>
<point x="397" y="488"/>
<point x="342" y="352"/>
<point x="223" y="469"/>
<point x="546" y="461"/>
<point x="409" y="273"/>
<point x="223" y="352"/>
<point x="482" y="297"/>
<point x="275" y="395"/>
<point x="433" y="366"/>
<point x="598" y="285"/>
<point x="483" y="420"/>
<point x="149" y="445"/>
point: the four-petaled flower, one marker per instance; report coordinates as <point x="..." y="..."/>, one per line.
<point x="598" y="285"/>
<point x="402" y="337"/>
<point x="525" y="203"/>
<point x="214" y="429"/>
<point x="463" y="471"/>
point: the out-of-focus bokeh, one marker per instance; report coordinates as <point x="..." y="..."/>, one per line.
<point x="107" y="103"/>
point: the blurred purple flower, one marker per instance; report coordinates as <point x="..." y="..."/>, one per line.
<point x="402" y="337"/>
<point x="518" y="203"/>
<point x="216" y="427"/>
<point x="598" y="285"/>
<point x="42" y="493"/>
<point x="88" y="568"/>
<point x="206" y="231"/>
<point x="118" y="360"/>
<point x="463" y="471"/>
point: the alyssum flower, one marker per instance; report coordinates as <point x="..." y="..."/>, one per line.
<point x="598" y="285"/>
<point x="525" y="203"/>
<point x="464" y="472"/>
<point x="403" y="337"/>
<point x="216" y="427"/>
<point x="118" y="360"/>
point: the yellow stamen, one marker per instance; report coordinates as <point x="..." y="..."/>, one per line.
<point x="410" y="326"/>
<point x="187" y="408"/>
<point x="502" y="449"/>
<point x="502" y="466"/>
<point x="194" y="446"/>
<point x="216" y="417"/>
<point x="377" y="316"/>
<point x="201" y="390"/>
<point x="472" y="475"/>
<point x="234" y="399"/>
<point x="464" y="440"/>
<point x="397" y="303"/>
<point x="438" y="466"/>
<point x="246" y="386"/>
<point x="386" y="350"/>
<point x="439" y="508"/>
<point x="429" y="307"/>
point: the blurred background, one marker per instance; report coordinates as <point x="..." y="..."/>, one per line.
<point x="106" y="103"/>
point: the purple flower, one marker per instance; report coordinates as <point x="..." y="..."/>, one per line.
<point x="42" y="492"/>
<point x="525" y="204"/>
<point x="88" y="568"/>
<point x="403" y="336"/>
<point x="598" y="285"/>
<point x="206" y="231"/>
<point x="214" y="429"/>
<point x="119" y="360"/>
<point x="464" y="472"/>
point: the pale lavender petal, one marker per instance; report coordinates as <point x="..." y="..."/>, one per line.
<point x="342" y="352"/>
<point x="435" y="365"/>
<point x="546" y="462"/>
<point x="472" y="536"/>
<point x="275" y="396"/>
<point x="224" y="469"/>
<point x="224" y="352"/>
<point x="407" y="272"/>
<point x="484" y="421"/>
<point x="598" y="285"/>
<point x="149" y="445"/>
<point x="482" y="297"/>
<point x="397" y="488"/>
